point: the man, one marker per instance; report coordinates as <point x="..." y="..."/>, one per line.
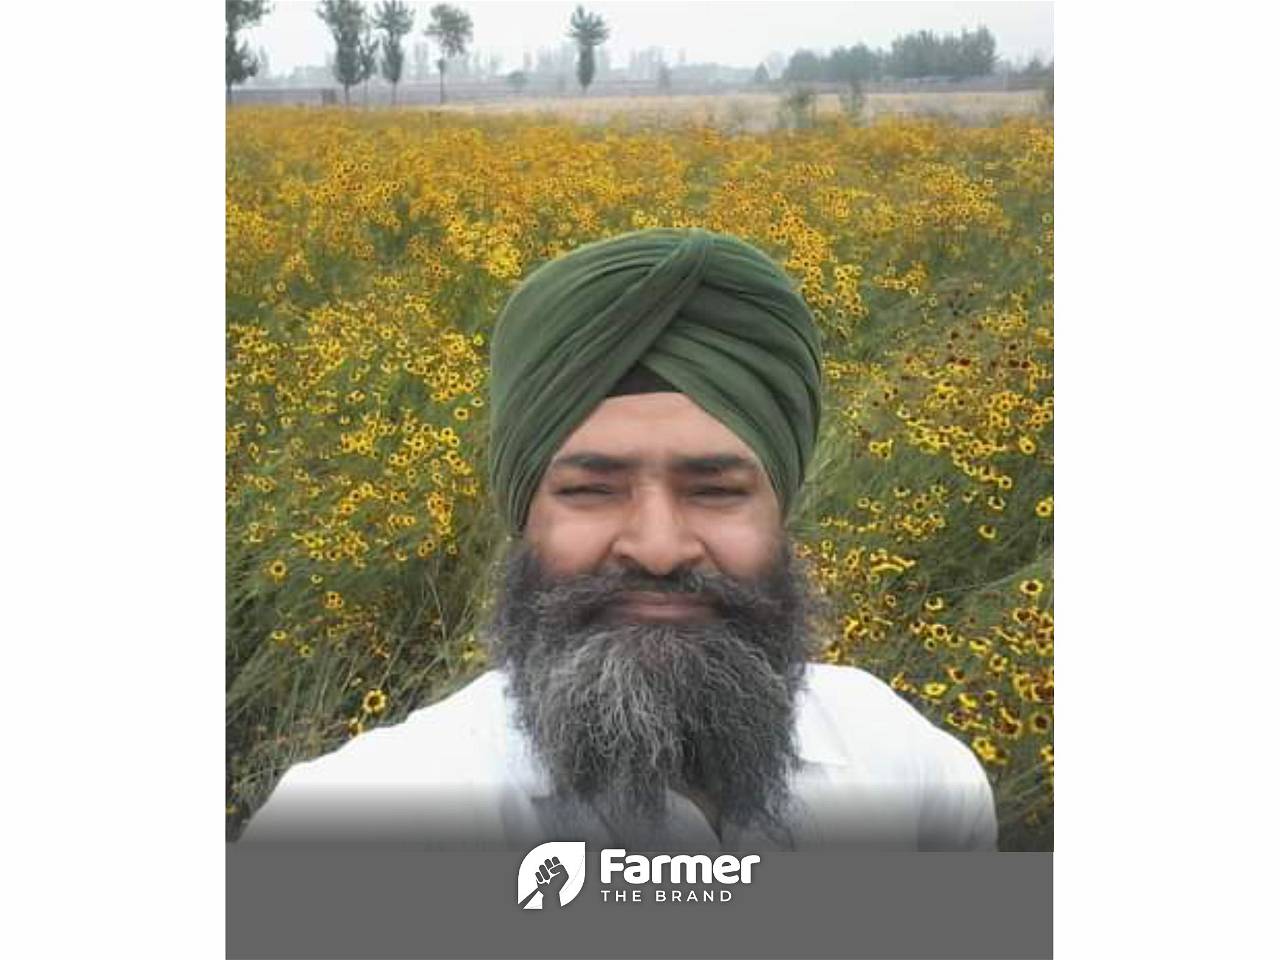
<point x="656" y="399"/>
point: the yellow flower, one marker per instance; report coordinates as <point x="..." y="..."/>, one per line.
<point x="1027" y="445"/>
<point x="935" y="689"/>
<point x="934" y="604"/>
<point x="1010" y="724"/>
<point x="1031" y="588"/>
<point x="1044" y="509"/>
<point x="333" y="600"/>
<point x="987" y="531"/>
<point x="990" y="752"/>
<point x="375" y="701"/>
<point x="277" y="570"/>
<point x="984" y="748"/>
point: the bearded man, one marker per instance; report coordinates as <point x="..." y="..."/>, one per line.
<point x="656" y="399"/>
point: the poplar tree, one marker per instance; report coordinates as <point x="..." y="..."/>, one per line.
<point x="241" y="64"/>
<point x="451" y="28"/>
<point x="395" y="20"/>
<point x="588" y="31"/>
<point x="346" y="21"/>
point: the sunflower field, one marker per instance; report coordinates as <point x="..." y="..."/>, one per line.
<point x="367" y="255"/>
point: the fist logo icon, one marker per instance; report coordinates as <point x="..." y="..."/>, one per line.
<point x="551" y="875"/>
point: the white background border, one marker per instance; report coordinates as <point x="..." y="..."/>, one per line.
<point x="113" y="320"/>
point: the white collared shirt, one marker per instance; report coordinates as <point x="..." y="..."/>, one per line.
<point x="874" y="773"/>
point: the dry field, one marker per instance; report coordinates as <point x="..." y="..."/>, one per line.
<point x="757" y="112"/>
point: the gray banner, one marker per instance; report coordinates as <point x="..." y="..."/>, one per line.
<point x="392" y="901"/>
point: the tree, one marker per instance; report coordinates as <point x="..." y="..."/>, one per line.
<point x="346" y="21"/>
<point x="588" y="31"/>
<point x="518" y="80"/>
<point x="923" y="54"/>
<point x="852" y="65"/>
<point x="805" y="66"/>
<point x="451" y="28"/>
<point x="853" y="99"/>
<point x="799" y="108"/>
<point x="761" y="76"/>
<point x="241" y="64"/>
<point x="977" y="52"/>
<point x="395" y="20"/>
<point x="664" y="77"/>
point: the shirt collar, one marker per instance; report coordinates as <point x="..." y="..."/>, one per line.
<point x="817" y="739"/>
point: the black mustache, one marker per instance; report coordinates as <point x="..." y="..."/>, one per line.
<point x="592" y="594"/>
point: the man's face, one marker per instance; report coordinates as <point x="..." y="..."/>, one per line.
<point x="652" y="482"/>
<point x="652" y="622"/>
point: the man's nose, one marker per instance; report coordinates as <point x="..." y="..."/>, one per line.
<point x="656" y="535"/>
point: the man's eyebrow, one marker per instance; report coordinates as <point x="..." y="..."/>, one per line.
<point x="704" y="465"/>
<point x="596" y="462"/>
<point x="713" y="463"/>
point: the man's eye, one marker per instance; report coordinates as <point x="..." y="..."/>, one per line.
<point x="584" y="491"/>
<point x="719" y="492"/>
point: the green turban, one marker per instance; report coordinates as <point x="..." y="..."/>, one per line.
<point x="711" y="315"/>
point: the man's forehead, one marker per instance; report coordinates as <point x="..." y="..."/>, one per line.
<point x="655" y="429"/>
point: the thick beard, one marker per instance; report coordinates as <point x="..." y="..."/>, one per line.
<point x="620" y="712"/>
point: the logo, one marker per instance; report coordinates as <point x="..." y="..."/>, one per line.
<point x="551" y="874"/>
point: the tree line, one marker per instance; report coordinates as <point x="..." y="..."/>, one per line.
<point x="368" y="43"/>
<point x="909" y="57"/>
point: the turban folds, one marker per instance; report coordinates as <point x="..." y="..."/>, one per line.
<point x="707" y="312"/>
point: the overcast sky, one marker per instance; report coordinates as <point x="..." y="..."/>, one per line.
<point x="731" y="32"/>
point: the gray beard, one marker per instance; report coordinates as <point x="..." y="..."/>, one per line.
<point x="618" y="713"/>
